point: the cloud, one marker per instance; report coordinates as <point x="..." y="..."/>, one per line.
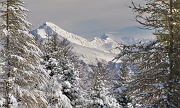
<point x="83" y="17"/>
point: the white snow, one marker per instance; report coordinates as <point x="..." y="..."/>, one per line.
<point x="2" y="101"/>
<point x="67" y="84"/>
<point x="98" y="49"/>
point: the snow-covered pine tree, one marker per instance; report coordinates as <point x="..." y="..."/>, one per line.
<point x="121" y="80"/>
<point x="59" y="62"/>
<point x="51" y="57"/>
<point x="158" y="83"/>
<point x="19" y="58"/>
<point x="71" y="83"/>
<point x="67" y="52"/>
<point x="100" y="95"/>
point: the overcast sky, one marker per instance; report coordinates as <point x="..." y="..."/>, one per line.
<point x="88" y="18"/>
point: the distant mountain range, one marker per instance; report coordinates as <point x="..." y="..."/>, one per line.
<point x="98" y="49"/>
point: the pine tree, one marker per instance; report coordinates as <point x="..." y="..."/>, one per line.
<point x="98" y="85"/>
<point x="59" y="62"/>
<point x="51" y="62"/>
<point x="157" y="84"/>
<point x="71" y="83"/>
<point x="121" y="81"/>
<point x="20" y="58"/>
<point x="101" y="85"/>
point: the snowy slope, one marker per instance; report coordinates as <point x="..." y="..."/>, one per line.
<point x="98" y="43"/>
<point x="91" y="56"/>
<point x="102" y="48"/>
<point x="49" y="28"/>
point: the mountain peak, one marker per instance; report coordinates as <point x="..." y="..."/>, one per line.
<point x="129" y="39"/>
<point x="107" y="36"/>
<point x="50" y="25"/>
<point x="104" y="36"/>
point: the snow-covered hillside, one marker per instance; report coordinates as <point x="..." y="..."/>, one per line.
<point x="102" y="48"/>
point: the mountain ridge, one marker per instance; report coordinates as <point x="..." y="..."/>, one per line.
<point x="103" y="48"/>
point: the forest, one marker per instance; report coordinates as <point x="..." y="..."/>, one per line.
<point x="49" y="74"/>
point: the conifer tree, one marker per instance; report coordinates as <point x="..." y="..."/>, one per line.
<point x="101" y="85"/>
<point x="51" y="62"/>
<point x="157" y="84"/>
<point x="59" y="62"/>
<point x="121" y="80"/>
<point x="20" y="58"/>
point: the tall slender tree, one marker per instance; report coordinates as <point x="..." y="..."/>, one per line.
<point x="157" y="84"/>
<point x="20" y="58"/>
<point x="121" y="80"/>
<point x="100" y="87"/>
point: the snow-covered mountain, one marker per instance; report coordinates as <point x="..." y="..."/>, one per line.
<point x="102" y="48"/>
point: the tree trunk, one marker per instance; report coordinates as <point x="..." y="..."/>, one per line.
<point x="171" y="37"/>
<point x="8" y="100"/>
